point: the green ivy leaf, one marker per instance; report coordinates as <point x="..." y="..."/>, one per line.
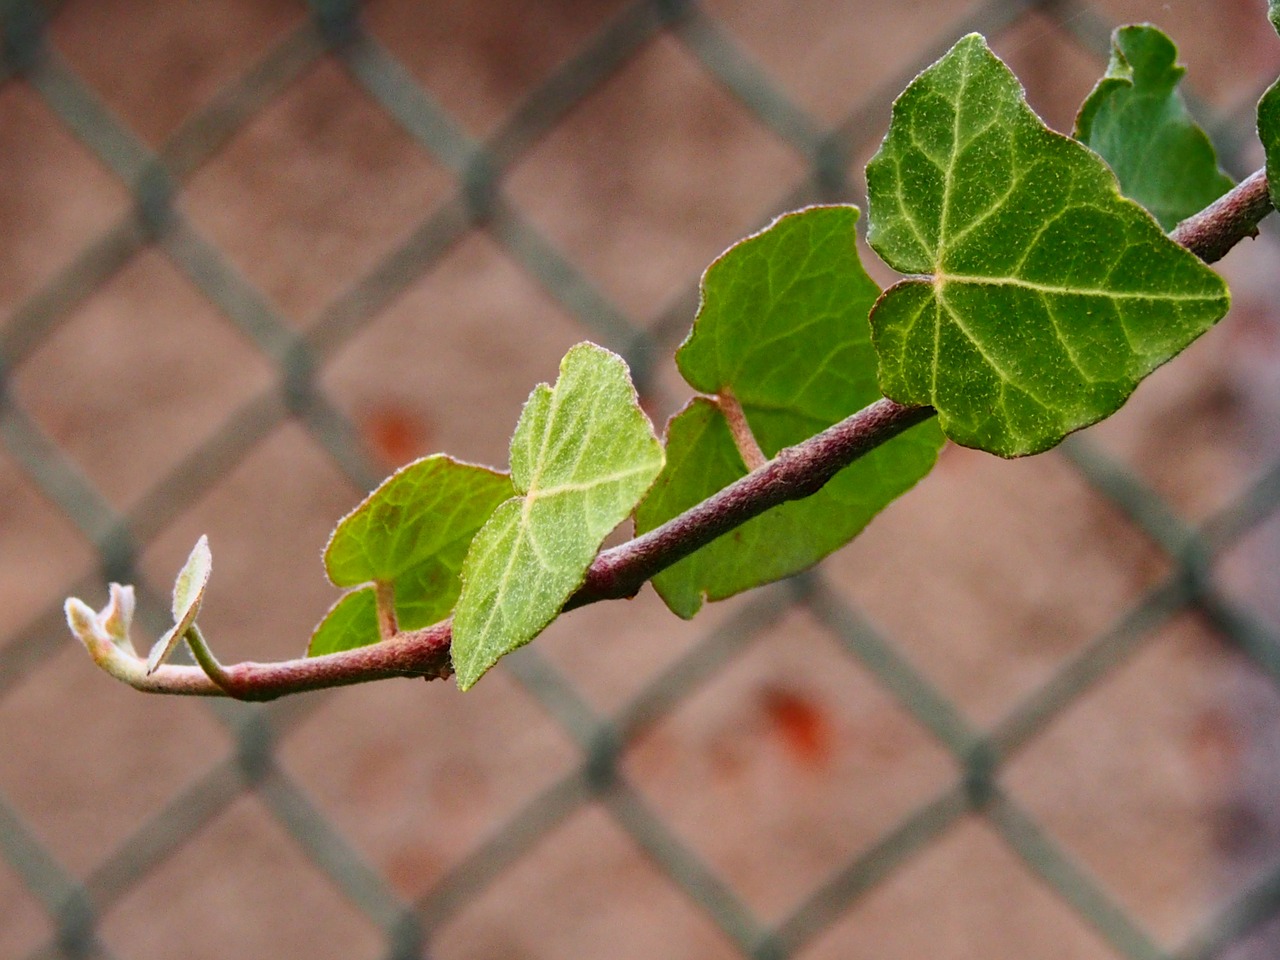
<point x="582" y="456"/>
<point x="1136" y="120"/>
<point x="413" y="533"/>
<point x="351" y="622"/>
<point x="188" y="592"/>
<point x="1269" y="120"/>
<point x="782" y="327"/>
<point x="1040" y="296"/>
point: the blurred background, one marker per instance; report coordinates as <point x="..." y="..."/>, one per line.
<point x="256" y="254"/>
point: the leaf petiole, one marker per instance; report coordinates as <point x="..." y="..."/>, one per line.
<point x="208" y="662"/>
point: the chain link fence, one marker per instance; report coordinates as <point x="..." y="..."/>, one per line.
<point x="64" y="909"/>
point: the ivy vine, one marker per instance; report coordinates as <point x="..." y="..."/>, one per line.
<point x="1039" y="288"/>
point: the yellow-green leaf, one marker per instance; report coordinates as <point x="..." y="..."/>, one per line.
<point x="411" y="533"/>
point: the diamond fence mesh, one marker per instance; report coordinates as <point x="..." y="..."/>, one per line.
<point x="592" y="802"/>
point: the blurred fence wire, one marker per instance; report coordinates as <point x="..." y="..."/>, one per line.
<point x="155" y="179"/>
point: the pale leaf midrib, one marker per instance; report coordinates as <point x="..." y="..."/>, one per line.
<point x="585" y="486"/>
<point x="945" y="278"/>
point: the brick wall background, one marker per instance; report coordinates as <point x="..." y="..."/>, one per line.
<point x="256" y="254"/>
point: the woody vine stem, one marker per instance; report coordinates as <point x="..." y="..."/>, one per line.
<point x="794" y="473"/>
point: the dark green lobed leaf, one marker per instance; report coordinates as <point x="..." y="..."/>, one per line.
<point x="1136" y="119"/>
<point x="1041" y="297"/>
<point x="782" y="326"/>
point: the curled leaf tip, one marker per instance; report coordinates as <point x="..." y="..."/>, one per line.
<point x="118" y="615"/>
<point x="80" y="618"/>
<point x="110" y="624"/>
<point x="105" y="634"/>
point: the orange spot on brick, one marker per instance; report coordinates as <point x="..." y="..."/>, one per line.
<point x="395" y="434"/>
<point x="803" y="726"/>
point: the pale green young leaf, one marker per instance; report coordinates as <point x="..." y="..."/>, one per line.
<point x="1039" y="296"/>
<point x="782" y="328"/>
<point x="413" y="533"/>
<point x="1136" y="119"/>
<point x="188" y="592"/>
<point x="582" y="456"/>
